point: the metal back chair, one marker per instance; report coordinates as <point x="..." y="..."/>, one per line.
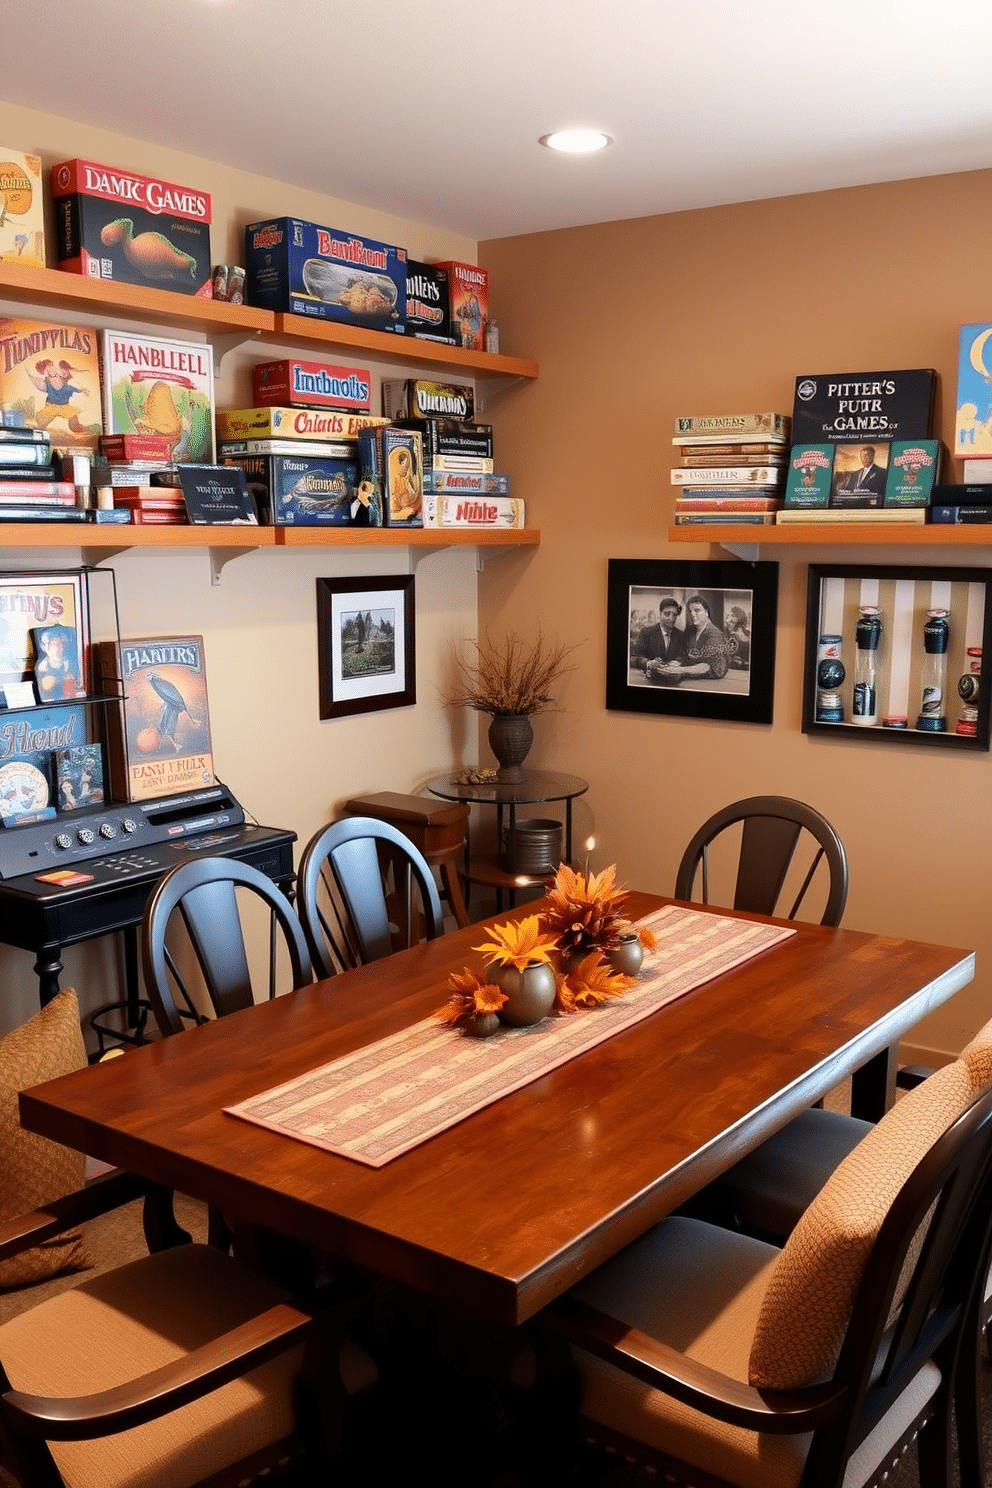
<point x="204" y="893"/>
<point x="342" y="894"/>
<point x="772" y="829"/>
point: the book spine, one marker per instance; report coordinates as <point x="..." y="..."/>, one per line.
<point x="744" y="519"/>
<point x="465" y="483"/>
<point x="727" y="493"/>
<point x="729" y="475"/>
<point x="328" y="449"/>
<point x="462" y="462"/>
<point x="25" y="454"/>
<point x="42" y="491"/>
<point x="732" y="425"/>
<point x="977" y="516"/>
<point x="16" y="435"/>
<point x="726" y="503"/>
<point x="41" y="513"/>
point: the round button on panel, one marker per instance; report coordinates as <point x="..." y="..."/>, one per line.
<point x="86" y="836"/>
<point x="63" y="841"/>
<point x="129" y="825"/>
<point x="108" y="831"/>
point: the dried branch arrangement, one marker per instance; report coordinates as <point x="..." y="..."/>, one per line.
<point x="509" y="676"/>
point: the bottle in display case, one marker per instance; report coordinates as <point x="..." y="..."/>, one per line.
<point x="830" y="676"/>
<point x="969" y="686"/>
<point x="867" y="634"/>
<point x="933" y="678"/>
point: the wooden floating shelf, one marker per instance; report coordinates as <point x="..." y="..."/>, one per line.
<point x="847" y="534"/>
<point x="68" y="292"/>
<point x="90" y="535"/>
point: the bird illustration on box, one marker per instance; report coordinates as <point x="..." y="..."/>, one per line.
<point x="173" y="706"/>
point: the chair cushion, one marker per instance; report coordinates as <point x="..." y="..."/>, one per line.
<point x="700" y="1289"/>
<point x="805" y="1312"/>
<point x="114" y="1327"/>
<point x="977" y="1058"/>
<point x="769" y="1190"/>
<point x="36" y="1170"/>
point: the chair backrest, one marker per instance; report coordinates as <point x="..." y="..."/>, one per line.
<point x="341" y="893"/>
<point x="772" y="827"/>
<point x="889" y="1260"/>
<point x="204" y="893"/>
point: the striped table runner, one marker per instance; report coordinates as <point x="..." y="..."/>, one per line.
<point x="382" y="1100"/>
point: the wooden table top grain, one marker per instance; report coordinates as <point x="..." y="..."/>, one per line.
<point x="509" y="1208"/>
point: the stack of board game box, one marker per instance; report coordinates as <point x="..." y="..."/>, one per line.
<point x="460" y="485"/>
<point x="862" y="449"/>
<point x="730" y="468"/>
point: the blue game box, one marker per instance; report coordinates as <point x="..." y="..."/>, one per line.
<point x="304" y="269"/>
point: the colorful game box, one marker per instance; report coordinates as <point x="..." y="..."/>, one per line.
<point x="156" y="386"/>
<point x="50" y="375"/>
<point x="428" y="303"/>
<point x="306" y="491"/>
<point x="468" y="287"/>
<point x="113" y="224"/>
<point x="391" y="465"/>
<point x="299" y="267"/>
<point x="973" y="417"/>
<point x="292" y="423"/>
<point x="158" y="736"/>
<point x="22" y="209"/>
<point x="299" y="384"/>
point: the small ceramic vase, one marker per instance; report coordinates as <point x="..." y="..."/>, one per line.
<point x="530" y="993"/>
<point x="483" y="1025"/>
<point x="628" y="956"/>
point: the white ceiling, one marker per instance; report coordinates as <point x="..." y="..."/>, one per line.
<point x="432" y="109"/>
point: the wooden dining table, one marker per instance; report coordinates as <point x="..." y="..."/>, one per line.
<point x="510" y="1207"/>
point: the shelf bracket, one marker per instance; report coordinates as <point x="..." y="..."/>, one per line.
<point x="424" y="550"/>
<point x="491" y="389"/>
<point x="220" y="556"/>
<point x="222" y="344"/>
<point x="746" y="552"/>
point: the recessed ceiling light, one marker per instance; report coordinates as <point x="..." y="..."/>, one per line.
<point x="576" y="141"/>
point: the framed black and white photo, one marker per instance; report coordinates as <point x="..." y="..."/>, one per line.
<point x="692" y="639"/>
<point x="896" y="653"/>
<point x="366" y="644"/>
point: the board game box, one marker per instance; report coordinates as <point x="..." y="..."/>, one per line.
<point x="973" y="410"/>
<point x="113" y="224"/>
<point x="851" y="407"/>
<point x="156" y="386"/>
<point x="299" y="384"/>
<point x="306" y="491"/>
<point x="468" y="288"/>
<point x="158" y="734"/>
<point x="50" y="378"/>
<point x="296" y="266"/>
<point x="22" y="209"/>
<point x="428" y="303"/>
<point x="391" y="465"/>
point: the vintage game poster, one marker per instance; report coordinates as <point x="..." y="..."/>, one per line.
<point x="157" y="386"/>
<point x="79" y="776"/>
<point x="158" y="736"/>
<point x="973" y="417"/>
<point x="32" y="605"/>
<point x="51" y="374"/>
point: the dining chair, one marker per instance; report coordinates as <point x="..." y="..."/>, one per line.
<point x="204" y="891"/>
<point x="168" y="1370"/>
<point x="718" y="1359"/>
<point x="341" y="894"/>
<point x="772" y="829"/>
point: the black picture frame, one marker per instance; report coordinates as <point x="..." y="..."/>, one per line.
<point x="376" y="617"/>
<point x="738" y="683"/>
<point x="836" y="596"/>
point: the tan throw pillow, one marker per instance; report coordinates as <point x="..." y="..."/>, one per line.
<point x="36" y="1170"/>
<point x="807" y="1306"/>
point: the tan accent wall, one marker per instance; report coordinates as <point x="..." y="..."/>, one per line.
<point x="717" y="311"/>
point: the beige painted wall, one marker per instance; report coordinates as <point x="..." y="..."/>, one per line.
<point x="287" y="767"/>
<point x="711" y="312"/>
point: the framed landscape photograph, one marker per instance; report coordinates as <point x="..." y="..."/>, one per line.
<point x="366" y="654"/>
<point x="692" y="639"/>
<point x="896" y="653"/>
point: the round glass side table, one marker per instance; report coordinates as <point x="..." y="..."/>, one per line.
<point x="532" y="788"/>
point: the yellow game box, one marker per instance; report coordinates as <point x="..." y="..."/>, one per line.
<point x="22" y="209"/>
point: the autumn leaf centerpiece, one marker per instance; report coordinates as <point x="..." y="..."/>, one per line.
<point x="474" y="1006"/>
<point x="585" y="915"/>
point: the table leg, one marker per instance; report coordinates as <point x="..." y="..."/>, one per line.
<point x="873" y="1086"/>
<point x="47" y="967"/>
<point x="568" y="830"/>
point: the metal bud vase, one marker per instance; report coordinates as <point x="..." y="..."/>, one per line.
<point x="510" y="738"/>
<point x="530" y="993"/>
<point x="627" y="957"/>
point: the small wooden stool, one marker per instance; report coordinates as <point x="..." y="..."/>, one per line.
<point x="436" y="827"/>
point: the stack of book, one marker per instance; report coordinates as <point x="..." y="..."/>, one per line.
<point x="730" y="468"/>
<point x="863" y="450"/>
<point x="131" y="463"/>
<point x="152" y="506"/>
<point x="968" y="504"/>
<point x="31" y="488"/>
